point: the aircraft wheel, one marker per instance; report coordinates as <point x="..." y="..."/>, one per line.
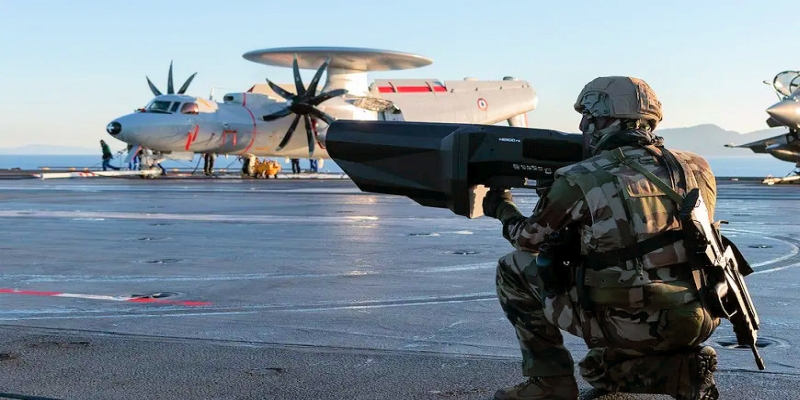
<point x="150" y="176"/>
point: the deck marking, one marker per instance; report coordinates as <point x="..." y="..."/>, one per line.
<point x="187" y="303"/>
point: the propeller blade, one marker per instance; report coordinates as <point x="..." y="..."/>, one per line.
<point x="298" y="80"/>
<point x="327" y="96"/>
<point x="309" y="135"/>
<point x="153" y="88"/>
<point x="170" y="88"/>
<point x="277" y="115"/>
<point x="321" y="115"/>
<point x="312" y="87"/>
<point x="288" y="135"/>
<point x="185" y="86"/>
<point x="280" y="91"/>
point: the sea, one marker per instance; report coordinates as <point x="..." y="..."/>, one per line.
<point x="756" y="166"/>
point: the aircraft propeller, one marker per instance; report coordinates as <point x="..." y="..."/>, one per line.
<point x="303" y="104"/>
<point x="170" y="88"/>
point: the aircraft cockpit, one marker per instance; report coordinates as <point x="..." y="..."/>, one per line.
<point x="786" y="84"/>
<point x="161" y="106"/>
<point x="178" y="104"/>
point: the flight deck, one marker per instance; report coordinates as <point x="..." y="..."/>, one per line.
<point x="307" y="289"/>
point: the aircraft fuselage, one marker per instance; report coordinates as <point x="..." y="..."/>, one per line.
<point x="175" y="123"/>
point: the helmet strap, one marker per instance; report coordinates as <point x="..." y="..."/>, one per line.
<point x="599" y="136"/>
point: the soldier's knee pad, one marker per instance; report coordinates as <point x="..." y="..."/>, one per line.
<point x="685" y="326"/>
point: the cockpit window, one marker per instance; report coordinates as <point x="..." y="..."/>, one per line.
<point x="159" y="106"/>
<point x="175" y="106"/>
<point x="190" y="108"/>
<point x="786" y="82"/>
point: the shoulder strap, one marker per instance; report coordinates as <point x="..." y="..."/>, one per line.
<point x="688" y="181"/>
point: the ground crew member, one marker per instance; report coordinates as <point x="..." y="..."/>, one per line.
<point x="632" y="299"/>
<point x="107" y="156"/>
<point x="208" y="163"/>
<point x="136" y="159"/>
<point x="296" y="166"/>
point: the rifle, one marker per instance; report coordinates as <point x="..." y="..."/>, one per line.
<point x="719" y="269"/>
<point x="448" y="165"/>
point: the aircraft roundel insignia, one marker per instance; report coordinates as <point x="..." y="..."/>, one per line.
<point x="483" y="104"/>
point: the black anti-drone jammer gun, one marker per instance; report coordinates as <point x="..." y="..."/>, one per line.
<point x="448" y="165"/>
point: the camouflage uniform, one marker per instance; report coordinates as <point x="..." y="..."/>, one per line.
<point x="644" y="313"/>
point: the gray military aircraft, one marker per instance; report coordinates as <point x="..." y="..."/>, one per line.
<point x="786" y="112"/>
<point x="262" y="120"/>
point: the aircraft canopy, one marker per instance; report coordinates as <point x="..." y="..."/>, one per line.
<point x="787" y="83"/>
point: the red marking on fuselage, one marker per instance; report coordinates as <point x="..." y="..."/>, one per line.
<point x="231" y="132"/>
<point x="192" y="136"/>
<point x="411" y="89"/>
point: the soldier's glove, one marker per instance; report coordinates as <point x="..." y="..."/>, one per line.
<point x="495" y="198"/>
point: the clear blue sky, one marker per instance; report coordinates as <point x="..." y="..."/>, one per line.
<point x="67" y="68"/>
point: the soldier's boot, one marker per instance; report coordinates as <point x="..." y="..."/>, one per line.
<point x="688" y="375"/>
<point x="541" y="388"/>
<point x="699" y="384"/>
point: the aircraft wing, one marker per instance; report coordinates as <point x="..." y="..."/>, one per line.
<point x="760" y="146"/>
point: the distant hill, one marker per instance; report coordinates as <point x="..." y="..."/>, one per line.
<point x="710" y="140"/>
<point x="44" y="149"/>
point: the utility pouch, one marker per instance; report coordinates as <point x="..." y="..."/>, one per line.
<point x="556" y="261"/>
<point x="546" y="264"/>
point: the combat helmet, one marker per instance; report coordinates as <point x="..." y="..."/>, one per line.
<point x="620" y="97"/>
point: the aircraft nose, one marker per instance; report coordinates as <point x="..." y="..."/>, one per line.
<point x="786" y="112"/>
<point x="114" y="128"/>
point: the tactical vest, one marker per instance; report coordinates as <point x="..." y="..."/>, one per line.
<point x="634" y="252"/>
